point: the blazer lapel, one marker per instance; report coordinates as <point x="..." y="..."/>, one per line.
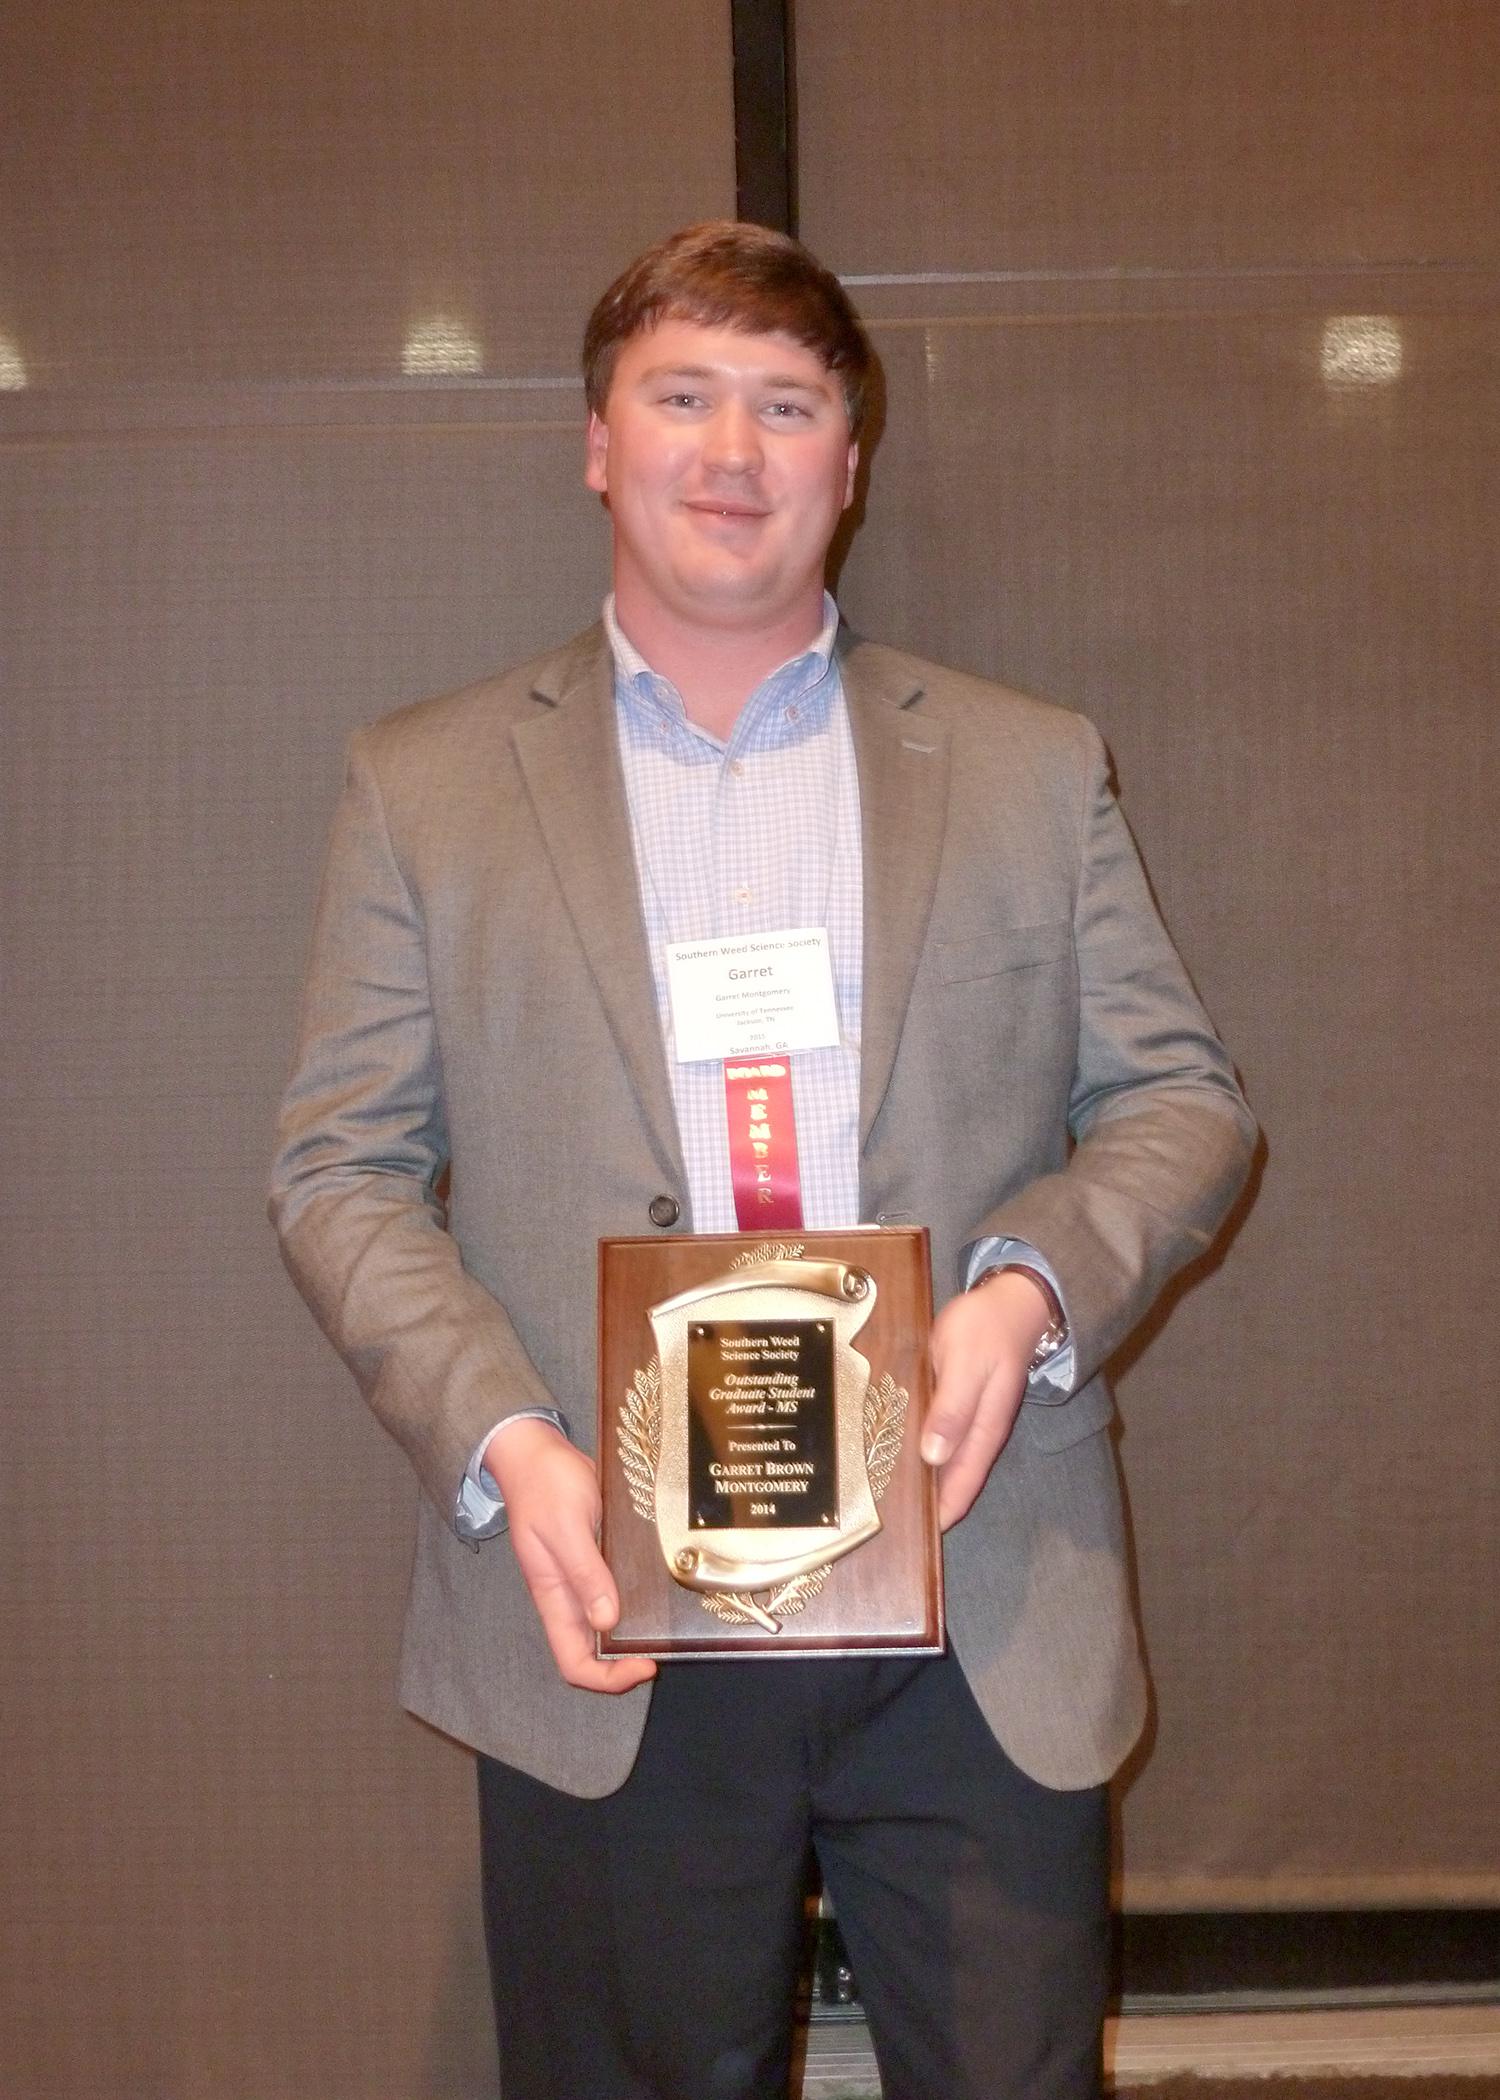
<point x="571" y="765"/>
<point x="902" y="756"/>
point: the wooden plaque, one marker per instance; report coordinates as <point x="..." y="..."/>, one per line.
<point x="760" y="1409"/>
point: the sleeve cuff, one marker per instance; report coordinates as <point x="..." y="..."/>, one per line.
<point x="479" y="1512"/>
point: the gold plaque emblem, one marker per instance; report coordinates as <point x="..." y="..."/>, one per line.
<point x="755" y="1440"/>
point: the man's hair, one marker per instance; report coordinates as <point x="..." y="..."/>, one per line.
<point x="727" y="273"/>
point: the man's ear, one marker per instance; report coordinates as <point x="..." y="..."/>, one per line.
<point x="851" y="475"/>
<point x="597" y="446"/>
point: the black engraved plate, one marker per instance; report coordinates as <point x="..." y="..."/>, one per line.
<point x="762" y="1441"/>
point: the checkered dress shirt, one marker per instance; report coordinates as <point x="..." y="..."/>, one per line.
<point x="759" y="834"/>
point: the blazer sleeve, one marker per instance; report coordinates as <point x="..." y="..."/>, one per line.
<point x="362" y="1144"/>
<point x="1163" y="1138"/>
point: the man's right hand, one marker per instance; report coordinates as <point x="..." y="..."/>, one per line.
<point x="551" y="1496"/>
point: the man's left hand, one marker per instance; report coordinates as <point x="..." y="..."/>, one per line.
<point x="982" y="1344"/>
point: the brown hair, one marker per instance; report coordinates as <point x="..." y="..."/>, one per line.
<point x="727" y="273"/>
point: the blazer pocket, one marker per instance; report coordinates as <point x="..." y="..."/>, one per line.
<point x="1056" y="1425"/>
<point x="1003" y="948"/>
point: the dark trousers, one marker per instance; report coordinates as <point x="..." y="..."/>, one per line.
<point x="645" y="1946"/>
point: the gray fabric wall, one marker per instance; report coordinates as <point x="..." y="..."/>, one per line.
<point x="289" y="432"/>
<point x="1189" y="316"/>
<point x="234" y="527"/>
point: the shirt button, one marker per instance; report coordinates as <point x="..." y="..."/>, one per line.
<point x="794" y="713"/>
<point x="736" y="767"/>
<point x="664" y="1210"/>
<point x="743" y="894"/>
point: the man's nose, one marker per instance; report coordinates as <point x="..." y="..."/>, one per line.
<point x="734" y="439"/>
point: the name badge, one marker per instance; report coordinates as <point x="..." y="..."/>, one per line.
<point x="752" y="994"/>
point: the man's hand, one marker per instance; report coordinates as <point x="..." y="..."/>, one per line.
<point x="982" y="1344"/>
<point x="551" y="1496"/>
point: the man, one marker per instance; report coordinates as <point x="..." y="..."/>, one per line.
<point x="1019" y="1064"/>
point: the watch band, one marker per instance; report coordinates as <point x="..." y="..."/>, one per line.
<point x="1054" y="1336"/>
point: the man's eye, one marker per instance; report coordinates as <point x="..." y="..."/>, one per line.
<point x="785" y="411"/>
<point x="680" y="401"/>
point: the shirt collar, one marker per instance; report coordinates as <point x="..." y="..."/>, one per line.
<point x="800" y="676"/>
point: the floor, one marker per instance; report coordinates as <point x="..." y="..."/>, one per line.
<point x="1463" y="2039"/>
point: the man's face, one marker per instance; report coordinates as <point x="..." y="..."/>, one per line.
<point x="727" y="462"/>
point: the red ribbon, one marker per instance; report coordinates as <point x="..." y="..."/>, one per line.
<point x="763" y="1145"/>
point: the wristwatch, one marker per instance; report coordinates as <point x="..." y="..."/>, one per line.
<point x="1054" y="1336"/>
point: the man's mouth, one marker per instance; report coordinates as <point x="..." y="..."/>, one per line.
<point x="713" y="508"/>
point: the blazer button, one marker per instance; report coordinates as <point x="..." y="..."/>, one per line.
<point x="664" y="1210"/>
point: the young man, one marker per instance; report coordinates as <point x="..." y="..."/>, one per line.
<point x="1020" y="1065"/>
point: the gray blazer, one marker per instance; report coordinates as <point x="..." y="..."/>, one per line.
<point x="479" y="1000"/>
